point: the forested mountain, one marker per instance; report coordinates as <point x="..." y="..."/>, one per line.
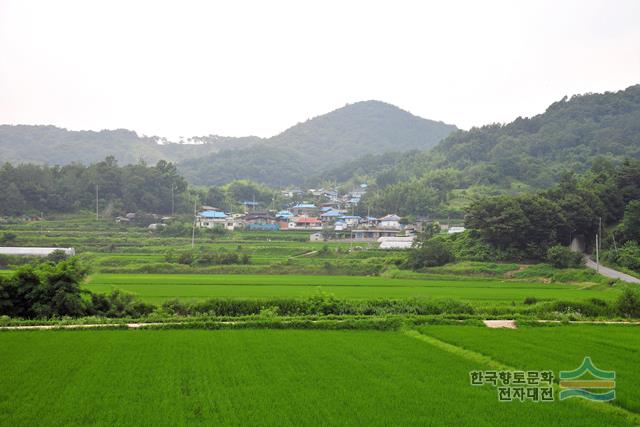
<point x="526" y="153"/>
<point x="370" y="127"/>
<point x="56" y="146"/>
<point x="356" y="130"/>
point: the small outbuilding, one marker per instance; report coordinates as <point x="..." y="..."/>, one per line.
<point x="396" y="242"/>
<point x="25" y="251"/>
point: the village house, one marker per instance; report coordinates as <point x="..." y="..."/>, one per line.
<point x="390" y="221"/>
<point x="261" y="221"/>
<point x="304" y="223"/>
<point x="213" y="219"/>
<point x="373" y="233"/>
<point x="330" y="217"/>
<point x="340" y="226"/>
<point x="305" y="209"/>
<point x="352" y="221"/>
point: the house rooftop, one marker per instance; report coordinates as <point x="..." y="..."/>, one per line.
<point x="391" y="217"/>
<point x="305" y="220"/>
<point x="212" y="214"/>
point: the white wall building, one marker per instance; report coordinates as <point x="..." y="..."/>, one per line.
<point x="390" y="221"/>
<point x="9" y="250"/>
<point x="396" y="242"/>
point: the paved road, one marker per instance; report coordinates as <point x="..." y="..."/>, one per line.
<point x="614" y="274"/>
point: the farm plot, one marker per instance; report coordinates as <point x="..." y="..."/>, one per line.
<point x="252" y="377"/>
<point x="611" y="347"/>
<point x="157" y="288"/>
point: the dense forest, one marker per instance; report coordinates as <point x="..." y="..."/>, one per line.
<point x="34" y="189"/>
<point x="527" y="154"/>
<point x="132" y="188"/>
<point x="527" y="225"/>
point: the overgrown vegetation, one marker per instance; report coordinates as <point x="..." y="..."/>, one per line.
<point x="52" y="289"/>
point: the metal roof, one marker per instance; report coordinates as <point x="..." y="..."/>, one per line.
<point x="212" y="214"/>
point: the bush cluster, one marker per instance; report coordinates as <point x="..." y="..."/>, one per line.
<point x="318" y="305"/>
<point x="52" y="289"/>
<point x="562" y="257"/>
<point x="204" y="258"/>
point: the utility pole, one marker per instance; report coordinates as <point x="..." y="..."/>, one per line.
<point x="172" y="202"/>
<point x="597" y="253"/>
<point x="97" y="204"/>
<point x="193" y="230"/>
<point x="598" y="243"/>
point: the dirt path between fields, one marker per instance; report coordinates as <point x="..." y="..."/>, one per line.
<point x="304" y="254"/>
<point x="501" y="323"/>
<point x="521" y="268"/>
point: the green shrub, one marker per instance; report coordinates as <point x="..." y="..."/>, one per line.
<point x="629" y="255"/>
<point x="530" y="300"/>
<point x="57" y="256"/>
<point x="562" y="257"/>
<point x="628" y="304"/>
<point x="432" y="253"/>
<point x="118" y="304"/>
<point x="8" y="238"/>
<point x="581" y="308"/>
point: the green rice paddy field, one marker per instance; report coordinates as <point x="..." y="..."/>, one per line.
<point x="157" y="288"/>
<point x="611" y="347"/>
<point x="289" y="377"/>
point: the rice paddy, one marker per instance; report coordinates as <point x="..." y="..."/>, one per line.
<point x="253" y="377"/>
<point x="158" y="288"/>
<point x="611" y="347"/>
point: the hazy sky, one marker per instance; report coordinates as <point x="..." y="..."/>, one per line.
<point x="257" y="67"/>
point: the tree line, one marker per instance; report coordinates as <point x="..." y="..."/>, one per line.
<point x="31" y="189"/>
<point x="527" y="154"/>
<point x="605" y="198"/>
<point x="52" y="289"/>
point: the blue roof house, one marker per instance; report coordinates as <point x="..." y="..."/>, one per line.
<point x="214" y="219"/>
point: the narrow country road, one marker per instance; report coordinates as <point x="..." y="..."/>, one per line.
<point x="610" y="272"/>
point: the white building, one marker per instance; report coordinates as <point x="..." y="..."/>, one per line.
<point x="390" y="221"/>
<point x="213" y="219"/>
<point x="5" y="250"/>
<point x="454" y="230"/>
<point x="396" y="242"/>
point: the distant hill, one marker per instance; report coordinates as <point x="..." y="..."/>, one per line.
<point x="570" y="136"/>
<point x="57" y="146"/>
<point x="363" y="128"/>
